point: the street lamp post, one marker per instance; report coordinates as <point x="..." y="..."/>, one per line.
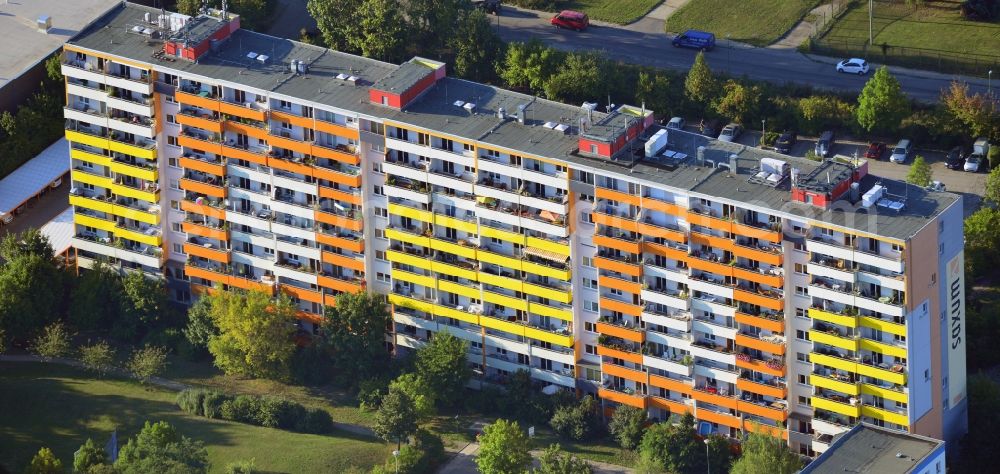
<point x="989" y="82"/>
<point x="708" y="459"/>
<point x="762" y="132"/>
<point x="729" y="53"/>
<point x="395" y="455"/>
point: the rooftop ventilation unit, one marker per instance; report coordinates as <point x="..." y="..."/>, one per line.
<point x="521" y="109"/>
<point x="550" y="125"/>
<point x="502" y="113"/>
<point x="342" y="76"/>
<point x="251" y="55"/>
<point x="301" y="66"/>
<point x="353" y="79"/>
<point x="262" y="58"/>
<point x="458" y="103"/>
<point x="563" y="128"/>
<point x="470" y="107"/>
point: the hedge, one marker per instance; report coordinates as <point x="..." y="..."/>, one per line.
<point x="270" y="412"/>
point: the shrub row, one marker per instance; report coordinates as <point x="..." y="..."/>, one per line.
<point x="269" y="412"/>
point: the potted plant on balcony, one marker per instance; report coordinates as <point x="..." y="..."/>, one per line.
<point x="687" y="360"/>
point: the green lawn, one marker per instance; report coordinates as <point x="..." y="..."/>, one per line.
<point x="933" y="36"/>
<point x="757" y="22"/>
<point x="59" y="407"/>
<point x="622" y="12"/>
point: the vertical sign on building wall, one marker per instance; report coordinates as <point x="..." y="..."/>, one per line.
<point x="956" y="329"/>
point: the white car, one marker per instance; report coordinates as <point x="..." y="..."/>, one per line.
<point x="730" y="133"/>
<point x="676" y="123"/>
<point x="853" y="66"/>
<point x="972" y="163"/>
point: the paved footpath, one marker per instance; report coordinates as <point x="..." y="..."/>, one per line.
<point x="465" y="461"/>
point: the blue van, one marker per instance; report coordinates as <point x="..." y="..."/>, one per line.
<point x="695" y="39"/>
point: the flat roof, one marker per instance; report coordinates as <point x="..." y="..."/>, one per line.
<point x="22" y="45"/>
<point x="60" y="231"/>
<point x="403" y="78"/>
<point x="33" y="176"/>
<point x="868" y="448"/>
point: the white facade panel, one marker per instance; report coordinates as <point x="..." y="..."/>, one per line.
<point x="240" y="172"/>
<point x="677" y="324"/>
<point x="552" y="377"/>
<point x="92" y="76"/>
<point x="471" y="336"/>
<point x="716" y="373"/>
<point x="668" y="365"/>
<point x="297" y="275"/>
<point x="402" y="193"/>
<point x="142" y="87"/>
<point x="555" y="356"/>
<point x="714" y="329"/>
<point x="824" y="271"/>
<point x="558" y="207"/>
<point x="92" y="94"/>
<point x="403" y="171"/>
<point x="296" y="210"/>
<point x="551" y="229"/>
<point x="294" y="184"/>
<point x="695" y="284"/>
<point x="712" y="307"/>
<point x="73" y="114"/>
<point x="131" y="107"/>
<point x="133" y="128"/>
<point x="650" y="296"/>
<point x="512" y="346"/>
<point x="296" y="249"/>
<point x="292" y="231"/>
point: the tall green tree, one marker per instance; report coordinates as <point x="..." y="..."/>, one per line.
<point x="654" y="90"/>
<point x="433" y="21"/>
<point x="147" y="362"/>
<point x="477" y="47"/>
<point x="379" y="31"/>
<point x="580" y="77"/>
<point x="97" y="299"/>
<point x="819" y="112"/>
<point x="701" y="86"/>
<point x="32" y="286"/>
<point x="719" y="454"/>
<point x="29" y="242"/>
<point x="335" y="20"/>
<point x="977" y="113"/>
<point x="882" y="103"/>
<point x="673" y="448"/>
<point x="418" y="390"/>
<point x="354" y="330"/>
<point x="160" y="448"/>
<point x="396" y="419"/>
<point x="739" y="101"/>
<point x="920" y="172"/>
<point x="503" y="449"/>
<point x="766" y="454"/>
<point x="200" y="327"/>
<point x="529" y="65"/>
<point x="90" y="454"/>
<point x="442" y="363"/>
<point x="44" y="462"/>
<point x="255" y="333"/>
<point x="53" y="342"/>
<point x="979" y="445"/>
<point x="627" y="424"/>
<point x="992" y="193"/>
<point x="982" y="242"/>
<point x="554" y="461"/>
<point x="144" y="306"/>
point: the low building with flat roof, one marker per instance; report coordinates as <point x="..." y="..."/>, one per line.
<point x="868" y="448"/>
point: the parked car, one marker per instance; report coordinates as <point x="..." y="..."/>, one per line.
<point x="980" y="149"/>
<point x="676" y="123"/>
<point x="955" y="159"/>
<point x="572" y="20"/>
<point x="901" y="152"/>
<point x="785" y="142"/>
<point x="824" y="146"/>
<point x="731" y="132"/>
<point x="853" y="66"/>
<point x="937" y="186"/>
<point x="875" y="150"/>
<point x="709" y="128"/>
<point x="488" y="6"/>
<point x="694" y="39"/>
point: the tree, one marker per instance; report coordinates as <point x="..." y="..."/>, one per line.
<point x="32" y="289"/>
<point x="255" y="333"/>
<point x="982" y="242"/>
<point x="98" y="357"/>
<point x="44" y="462"/>
<point x="976" y="112"/>
<point x="396" y="419"/>
<point x="654" y="90"/>
<point x="554" y="461"/>
<point x="579" y="78"/>
<point x="578" y="421"/>
<point x="53" y="70"/>
<point x="700" y="86"/>
<point x="418" y="391"/>
<point x="200" y="327"/>
<point x="189" y="7"/>
<point x="529" y="65"/>
<point x="159" y="448"/>
<point x="674" y="448"/>
<point x="354" y="330"/>
<point x="54" y="342"/>
<point x="476" y="46"/>
<point x="503" y="449"/>
<point x="627" y="424"/>
<point x="89" y="454"/>
<point x="442" y="363"/>
<point x="335" y="19"/>
<point x="97" y="299"/>
<point x="992" y="193"/>
<point x="719" y="454"/>
<point x="147" y="362"/>
<point x="766" y="454"/>
<point x="820" y="112"/>
<point x="979" y="446"/>
<point x="920" y="172"/>
<point x="379" y="31"/>
<point x="738" y="101"/>
<point x="432" y="21"/>
<point x="29" y="242"/>
<point x="882" y="103"/>
<point x="144" y="302"/>
<point x="3" y="341"/>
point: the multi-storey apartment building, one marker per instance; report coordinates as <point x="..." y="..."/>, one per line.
<point x="659" y="269"/>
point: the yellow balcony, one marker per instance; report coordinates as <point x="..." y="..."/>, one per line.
<point x="548" y="245"/>
<point x="90" y="157"/>
<point x="564" y="340"/>
<point x="148" y="174"/>
<point x="503" y="300"/>
<point x="155" y="240"/>
<point x="89" y="178"/>
<point x="516" y="329"/>
<point x="885" y="415"/>
<point x="453" y="270"/>
<point x="90" y="203"/>
<point x="562" y="296"/>
<point x="408" y="259"/>
<point x="883" y="348"/>
<point x="834" y="384"/>
<point x="490" y="232"/>
<point x="411" y="303"/>
<point x="544" y="310"/>
<point x="134" y="150"/>
<point x="498" y="259"/>
<point x="400" y="210"/>
<point x="820" y="315"/>
<point x="886" y="393"/>
<point x="458" y="224"/>
<point x="446" y="312"/>
<point x="459" y="289"/>
<point x="457" y="249"/>
<point x="835" y="362"/>
<point x="545" y="270"/>
<point x="884" y="326"/>
<point x="502" y="282"/>
<point x="95" y="222"/>
<point x="87" y="139"/>
<point x="122" y="190"/>
<point x="410" y="238"/>
<point x="425" y="281"/>
<point x="888" y="375"/>
<point x="842" y="408"/>
<point x="849" y="343"/>
<point x="152" y="218"/>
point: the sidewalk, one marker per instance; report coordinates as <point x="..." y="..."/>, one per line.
<point x="465" y="461"/>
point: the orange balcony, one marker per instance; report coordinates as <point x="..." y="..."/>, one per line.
<point x="610" y="194"/>
<point x="665" y="251"/>
<point x="206" y="274"/>
<point x="206" y="123"/>
<point x="336" y="129"/>
<point x="617" y="266"/>
<point x="670" y="384"/>
<point x="288" y="143"/>
<point x="716" y="399"/>
<point x="776" y="412"/>
<point x="336" y="154"/>
<point x="217" y="169"/>
<point x="617" y="244"/>
<point x="672" y="405"/>
<point x="721" y="269"/>
<point x="297" y="120"/>
<point x="724" y="419"/>
<point x="241" y="110"/>
<point x="344" y="179"/>
<point x="763" y="278"/>
<point x="774" y="302"/>
<point x="706" y="220"/>
<point x="663" y="206"/>
<point x="339" y="195"/>
<point x="248" y="284"/>
<point x="776" y="431"/>
<point x="202" y="230"/>
<point x="757" y="232"/>
<point x="625" y="308"/>
<point x="720" y="243"/>
<point x="618" y="284"/>
<point x="633" y="357"/>
<point x="286" y="164"/>
<point x="203" y="209"/>
<point x="775" y="348"/>
<point x="623" y="223"/>
<point x="249" y="155"/>
<point x="252" y="131"/>
<point x="773" y="325"/>
<point x="624" y="372"/>
<point x="310" y="316"/>
<point x="345" y="222"/>
<point x="219" y="255"/>
<point x="637" y="400"/>
<point x="761" y="366"/>
<point x="304" y="294"/>
<point x="207" y="103"/>
<point x="629" y="334"/>
<point x="762" y="389"/>
<point x="340" y="242"/>
<point x="195" y="143"/>
<point x="653" y="230"/>
<point x="343" y="261"/>
<point x="336" y="284"/>
<point x="754" y="253"/>
<point x="203" y="188"/>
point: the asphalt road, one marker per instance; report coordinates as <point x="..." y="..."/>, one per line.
<point x="642" y="46"/>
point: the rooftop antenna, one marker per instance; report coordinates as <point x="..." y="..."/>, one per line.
<point x="609" y="103"/>
<point x="225" y="10"/>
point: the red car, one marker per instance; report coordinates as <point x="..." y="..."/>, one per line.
<point x="875" y="150"/>
<point x="571" y="20"/>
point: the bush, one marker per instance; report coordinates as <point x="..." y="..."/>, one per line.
<point x="425" y="455"/>
<point x="370" y="393"/>
<point x="994" y="156"/>
<point x="242" y="467"/>
<point x="192" y="401"/>
<point x="315" y="421"/>
<point x="211" y="405"/>
<point x="270" y="412"/>
<point x="242" y="409"/>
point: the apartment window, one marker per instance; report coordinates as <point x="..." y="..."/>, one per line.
<point x="801" y="335"/>
<point x="381" y="212"/>
<point x="380" y="255"/>
<point x="176" y="227"/>
<point x="175" y="205"/>
<point x="585" y="177"/>
<point x="587" y="197"/>
<point x="382" y="277"/>
<point x="173" y="163"/>
<point x="178" y="249"/>
<point x="801" y="291"/>
<point x="170" y="99"/>
<point x="593" y="375"/>
<point x="616" y="292"/>
<point x="378" y="190"/>
<point x="284" y="104"/>
<point x="800" y="268"/>
<point x="467" y="146"/>
<point x="941" y="226"/>
<point x="175" y="185"/>
<point x="897" y="248"/>
<point x="590" y="306"/>
<point x="802" y="380"/>
<point x="590" y="349"/>
<point x="590" y="283"/>
<point x="379" y="233"/>
<point x="800" y="313"/>
<point x="377" y="167"/>
<point x="804" y="401"/>
<point x="171" y="119"/>
<point x="799" y="246"/>
<point x="589" y="326"/>
<point x="286" y="125"/>
<point x="268" y="251"/>
<point x="588" y="262"/>
<point x="172" y="140"/>
<point x="802" y="357"/>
